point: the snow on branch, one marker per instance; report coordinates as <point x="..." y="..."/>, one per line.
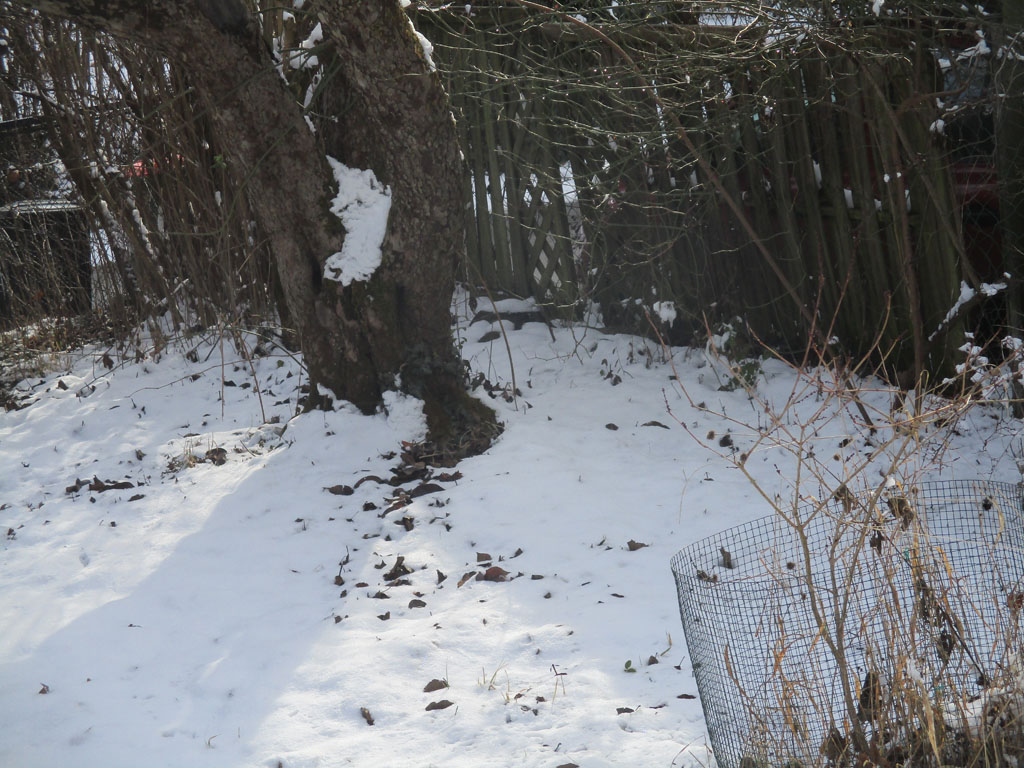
<point x="967" y="294"/>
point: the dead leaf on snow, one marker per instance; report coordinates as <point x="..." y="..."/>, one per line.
<point x="398" y="503"/>
<point x="98" y="486"/>
<point x="434" y="685"/>
<point x="727" y="561"/>
<point x="398" y="570"/>
<point x="633" y="546"/>
<point x="78" y="485"/>
<point x="340" y="490"/>
<point x="366" y="715"/>
<point x="417" y="604"/>
<point x="494" y="573"/>
<point x="442" y="704"/>
<point x="384" y="616"/>
<point x="367" y="478"/>
<point x="424" y="489"/>
<point x="217" y="456"/>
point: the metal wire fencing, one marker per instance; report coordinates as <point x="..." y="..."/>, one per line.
<point x="871" y="629"/>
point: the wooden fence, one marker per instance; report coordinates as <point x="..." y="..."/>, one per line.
<point x="580" y="188"/>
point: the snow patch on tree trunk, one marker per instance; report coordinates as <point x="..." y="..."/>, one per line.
<point x="362" y="204"/>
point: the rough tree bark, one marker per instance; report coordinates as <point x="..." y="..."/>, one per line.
<point x="393" y="329"/>
<point x="394" y="117"/>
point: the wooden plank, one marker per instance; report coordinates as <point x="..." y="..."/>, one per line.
<point x="818" y="260"/>
<point x="761" y="288"/>
<point x="779" y="165"/>
<point x="540" y="235"/>
<point x="560" y="253"/>
<point x="869" y="232"/>
<point x="490" y="149"/>
<point x="853" y="319"/>
<point x="513" y="168"/>
<point x="478" y="165"/>
<point x="473" y="265"/>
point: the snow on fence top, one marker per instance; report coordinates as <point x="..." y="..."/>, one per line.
<point x="878" y="628"/>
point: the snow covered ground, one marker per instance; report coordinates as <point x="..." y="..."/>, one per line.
<point x="184" y="584"/>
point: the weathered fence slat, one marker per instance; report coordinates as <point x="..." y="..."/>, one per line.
<point x="795" y="137"/>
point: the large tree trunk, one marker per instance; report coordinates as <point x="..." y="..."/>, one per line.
<point x="392" y="115"/>
<point x="394" y="328"/>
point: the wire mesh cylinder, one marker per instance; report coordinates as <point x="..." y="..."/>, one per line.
<point x="835" y="632"/>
